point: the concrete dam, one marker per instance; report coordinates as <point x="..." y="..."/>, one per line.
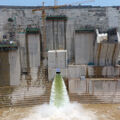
<point x="83" y="41"/>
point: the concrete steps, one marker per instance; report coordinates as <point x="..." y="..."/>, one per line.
<point x="5" y="98"/>
<point x="33" y="99"/>
<point x="87" y="98"/>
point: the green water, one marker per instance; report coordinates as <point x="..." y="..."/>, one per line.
<point x="59" y="95"/>
<point x="59" y="90"/>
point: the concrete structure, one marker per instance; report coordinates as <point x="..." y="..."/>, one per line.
<point x="88" y="37"/>
<point x="55" y="33"/>
<point x="10" y="68"/>
<point x="107" y="91"/>
<point x="84" y="47"/>
<point x="57" y="59"/>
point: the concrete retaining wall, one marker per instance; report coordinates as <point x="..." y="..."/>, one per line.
<point x="52" y="72"/>
<point x="106" y="90"/>
<point x="77" y="86"/>
<point x="76" y="71"/>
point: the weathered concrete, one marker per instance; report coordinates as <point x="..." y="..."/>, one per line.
<point x="105" y="90"/>
<point x="77" y="86"/>
<point x="56" y="31"/>
<point x="10" y="68"/>
<point x="23" y="55"/>
<point x="4" y="69"/>
<point x="84" y="48"/>
<point x="57" y="59"/>
<point x="34" y="50"/>
<point x="15" y="69"/>
<point x="76" y="71"/>
<point x="52" y="72"/>
<point x="56" y="35"/>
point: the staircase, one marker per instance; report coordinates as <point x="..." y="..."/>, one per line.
<point x="4" y="95"/>
<point x="35" y="99"/>
<point x="5" y="98"/>
<point x="92" y="99"/>
<point x="85" y="98"/>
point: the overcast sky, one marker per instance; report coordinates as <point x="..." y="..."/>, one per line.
<point x="51" y="2"/>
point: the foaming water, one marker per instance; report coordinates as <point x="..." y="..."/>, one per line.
<point x="59" y="96"/>
<point x="60" y="107"/>
<point x="71" y="111"/>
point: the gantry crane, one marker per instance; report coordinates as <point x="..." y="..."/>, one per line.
<point x="43" y="8"/>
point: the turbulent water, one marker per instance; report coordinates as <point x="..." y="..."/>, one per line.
<point x="59" y="96"/>
<point x="71" y="111"/>
<point x="60" y="108"/>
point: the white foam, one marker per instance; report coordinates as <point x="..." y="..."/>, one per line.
<point x="67" y="111"/>
<point x="65" y="94"/>
<point x="71" y="111"/>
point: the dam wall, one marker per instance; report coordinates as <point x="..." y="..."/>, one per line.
<point x="59" y="34"/>
<point x="84" y="40"/>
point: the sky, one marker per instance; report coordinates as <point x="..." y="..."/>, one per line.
<point x="60" y="2"/>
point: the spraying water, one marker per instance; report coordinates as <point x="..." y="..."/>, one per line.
<point x="60" y="107"/>
<point x="72" y="111"/>
<point x="59" y="96"/>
